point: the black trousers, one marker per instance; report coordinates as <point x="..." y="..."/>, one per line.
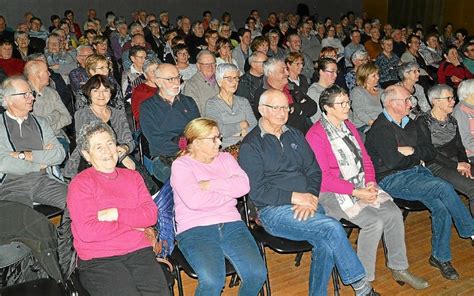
<point x="137" y="273"/>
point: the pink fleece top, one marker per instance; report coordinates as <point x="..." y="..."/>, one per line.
<point x="196" y="207"/>
<point x="332" y="182"/>
<point x="92" y="191"/>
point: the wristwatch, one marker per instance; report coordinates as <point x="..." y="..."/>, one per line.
<point x="21" y="155"/>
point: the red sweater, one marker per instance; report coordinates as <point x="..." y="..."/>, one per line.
<point x="140" y="94"/>
<point x="92" y="191"/>
<point x="12" y="66"/>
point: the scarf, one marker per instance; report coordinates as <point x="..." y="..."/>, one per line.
<point x="348" y="154"/>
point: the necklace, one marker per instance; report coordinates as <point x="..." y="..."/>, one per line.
<point x="105" y="175"/>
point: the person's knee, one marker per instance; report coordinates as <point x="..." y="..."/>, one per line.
<point x="213" y="283"/>
<point x="256" y="274"/>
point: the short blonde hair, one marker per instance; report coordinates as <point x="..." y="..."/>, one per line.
<point x="363" y="73"/>
<point x="195" y="129"/>
<point x="92" y="60"/>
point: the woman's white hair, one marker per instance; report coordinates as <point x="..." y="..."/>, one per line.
<point x="224" y="68"/>
<point x="465" y="89"/>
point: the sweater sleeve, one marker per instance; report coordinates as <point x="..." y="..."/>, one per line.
<point x="237" y="184"/>
<point x="146" y="212"/>
<point x="186" y="185"/>
<point x="464" y="127"/>
<point x="213" y="111"/>
<point x="321" y="147"/>
<point x="81" y="202"/>
<point x="262" y="193"/>
<point x="359" y="103"/>
<point x="49" y="157"/>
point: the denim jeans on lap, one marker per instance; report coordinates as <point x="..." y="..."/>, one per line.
<point x="206" y="247"/>
<point x="418" y="183"/>
<point x="329" y="241"/>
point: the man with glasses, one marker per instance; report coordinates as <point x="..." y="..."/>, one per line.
<point x="163" y="118"/>
<point x="29" y="150"/>
<point x="398" y="153"/>
<point x="301" y="107"/>
<point x="203" y="85"/>
<point x="284" y="186"/>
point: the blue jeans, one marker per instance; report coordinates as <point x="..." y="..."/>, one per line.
<point x="329" y="241"/>
<point x="160" y="170"/>
<point x="206" y="247"/>
<point x="440" y="198"/>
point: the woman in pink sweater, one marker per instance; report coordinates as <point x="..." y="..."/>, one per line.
<point x="349" y="190"/>
<point x="206" y="185"/>
<point x="110" y="207"/>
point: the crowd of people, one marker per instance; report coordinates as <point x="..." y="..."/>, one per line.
<point x="315" y="120"/>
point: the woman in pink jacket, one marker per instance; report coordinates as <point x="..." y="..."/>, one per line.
<point x="349" y="189"/>
<point x="206" y="185"/>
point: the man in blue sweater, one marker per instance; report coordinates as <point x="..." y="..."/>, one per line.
<point x="163" y="118"/>
<point x="398" y="154"/>
<point x="284" y="185"/>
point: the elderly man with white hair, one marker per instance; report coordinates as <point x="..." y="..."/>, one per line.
<point x="203" y="85"/>
<point x="441" y="129"/>
<point x="29" y="150"/>
<point x="302" y="107"/>
<point x="398" y="152"/>
<point x="285" y="182"/>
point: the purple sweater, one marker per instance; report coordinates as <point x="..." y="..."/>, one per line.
<point x="332" y="181"/>
<point x="92" y="191"/>
<point x="196" y="207"/>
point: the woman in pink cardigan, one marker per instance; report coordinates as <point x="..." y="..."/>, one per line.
<point x="206" y="185"/>
<point x="349" y="189"/>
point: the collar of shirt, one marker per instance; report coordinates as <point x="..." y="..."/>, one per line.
<point x="263" y="132"/>
<point x="211" y="81"/>
<point x="404" y="122"/>
<point x="20" y="120"/>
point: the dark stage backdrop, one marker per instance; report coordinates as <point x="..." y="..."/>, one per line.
<point x="13" y="10"/>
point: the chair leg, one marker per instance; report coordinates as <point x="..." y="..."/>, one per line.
<point x="405" y="214"/>
<point x="267" y="284"/>
<point x="298" y="259"/>
<point x="335" y="280"/>
<point x="177" y="273"/>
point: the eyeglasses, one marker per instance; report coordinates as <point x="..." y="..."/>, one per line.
<point x="176" y="79"/>
<point x="407" y="100"/>
<point x="330" y="71"/>
<point x="26" y="94"/>
<point x="214" y="139"/>
<point x="231" y="78"/>
<point x="277" y="108"/>
<point x="449" y="98"/>
<point x="207" y="64"/>
<point x="344" y="104"/>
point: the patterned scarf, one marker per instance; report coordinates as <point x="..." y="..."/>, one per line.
<point x="348" y="154"/>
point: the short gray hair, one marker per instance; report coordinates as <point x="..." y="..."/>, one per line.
<point x="270" y="64"/>
<point x="465" y="89"/>
<point x="81" y="47"/>
<point x="148" y="63"/>
<point x="436" y="91"/>
<point x="224" y="68"/>
<point x="203" y="53"/>
<point x="389" y="93"/>
<point x="19" y="34"/>
<point x="359" y="54"/>
<point x="254" y="55"/>
<point x="405" y="67"/>
<point x="36" y="56"/>
<point x="8" y="88"/>
<point x="90" y="129"/>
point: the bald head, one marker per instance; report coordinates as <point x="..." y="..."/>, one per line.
<point x="397" y="101"/>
